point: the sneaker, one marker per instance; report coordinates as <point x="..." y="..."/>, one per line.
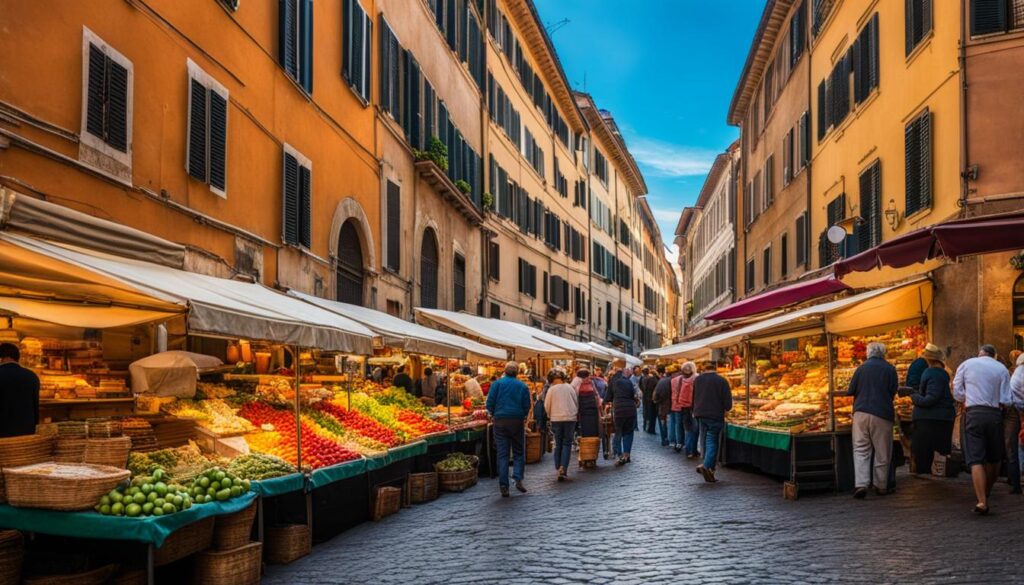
<point x="519" y="486"/>
<point x="620" y="461"/>
<point x="709" y="474"/>
<point x="504" y="491"/>
<point x="860" y="493"/>
<point x="561" y="474"/>
<point x="677" y="448"/>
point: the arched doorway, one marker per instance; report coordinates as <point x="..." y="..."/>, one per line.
<point x="350" y="265"/>
<point x="428" y="270"/>
<point x="1018" y="313"/>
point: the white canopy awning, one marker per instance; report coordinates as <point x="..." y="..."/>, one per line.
<point x="411" y="337"/>
<point x="48" y="272"/>
<point x="502" y="333"/>
<point x="615" y="354"/>
<point x="881" y="308"/>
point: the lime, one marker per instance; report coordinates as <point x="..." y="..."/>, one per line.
<point x="177" y="500"/>
<point x="158" y="511"/>
<point x="216" y="486"/>
<point x="158" y="474"/>
<point x="133" y="510"/>
<point x="223" y="495"/>
<point x="105" y="509"/>
<point x="204" y="482"/>
<point x="105" y="501"/>
<point x="115" y="496"/>
<point x="245" y="485"/>
<point x="139" y="498"/>
<point x="161" y="488"/>
<point x="147" y="508"/>
<point x="210" y="491"/>
<point x="226" y="482"/>
<point x="117" y="509"/>
<point x="219" y="475"/>
<point x="151" y="497"/>
<point x="169" y="508"/>
<point x="236" y="491"/>
<point x="147" y="487"/>
<point x="186" y="504"/>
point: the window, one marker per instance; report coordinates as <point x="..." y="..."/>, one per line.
<point x="757" y="196"/>
<point x="459" y="282"/>
<point x="827" y="251"/>
<point x="600" y="166"/>
<point x="869" y="234"/>
<point x="390" y="89"/>
<point x="797" y="34"/>
<point x="917" y="21"/>
<point x="493" y="261"/>
<point x="784" y="256"/>
<point x="297" y="196"/>
<point x="357" y="34"/>
<point x="495" y="311"/>
<point x="865" y="60"/>
<point x="295" y="40"/>
<point x="206" y="148"/>
<point x="559" y="296"/>
<point x="429" y="256"/>
<point x="996" y="16"/>
<point x="918" y="143"/>
<point x="766" y="267"/>
<point x="804" y="137"/>
<point x="350" y="270"/>
<point x="748" y="281"/>
<point x="834" y="95"/>
<point x="107" y="100"/>
<point x="787" y="157"/>
<point x="801" y="239"/>
<point x="527" y="278"/>
<point x="394" y="227"/>
<point x="533" y="153"/>
<point x="769" y="181"/>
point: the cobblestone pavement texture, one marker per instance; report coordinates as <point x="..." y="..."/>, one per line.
<point x="656" y="521"/>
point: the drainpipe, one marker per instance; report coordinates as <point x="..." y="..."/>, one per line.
<point x="964" y="145"/>
<point x="808" y="264"/>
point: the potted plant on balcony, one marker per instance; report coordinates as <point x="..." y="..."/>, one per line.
<point x="488" y="201"/>
<point x="463" y="186"/>
<point x="436" y="152"/>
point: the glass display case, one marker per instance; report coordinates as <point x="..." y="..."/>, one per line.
<point x="789" y="385"/>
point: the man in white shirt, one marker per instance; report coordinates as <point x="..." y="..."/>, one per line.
<point x="982" y="384"/>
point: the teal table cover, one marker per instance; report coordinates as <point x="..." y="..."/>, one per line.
<point x="150" y="529"/>
<point x="440" y="439"/>
<point x="396" y="454"/>
<point x="279" y="485"/>
<point x="470" y="435"/>
<point x="328" y="475"/>
<point x="759" y="437"/>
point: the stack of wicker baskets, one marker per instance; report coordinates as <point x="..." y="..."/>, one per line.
<point x="234" y="559"/>
<point x="24" y="450"/>
<point x="103" y="428"/>
<point x="112" y="451"/>
<point x="285" y="544"/>
<point x="60" y="486"/>
<point x="12" y="553"/>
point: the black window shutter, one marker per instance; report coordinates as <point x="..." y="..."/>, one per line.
<point x="367" y="55"/>
<point x="394" y="55"/>
<point x="383" y="61"/>
<point x="347" y="42"/>
<point x="863" y="231"/>
<point x="218" y="140"/>
<point x="305" y="206"/>
<point x="394" y="234"/>
<point x="874" y="71"/>
<point x="306" y="44"/>
<point x="97" y="88"/>
<point x="354" y="58"/>
<point x="196" y="130"/>
<point x="287" y="53"/>
<point x="117" y="106"/>
<point x="909" y="30"/>
<point x="822" y="113"/>
<point x="988" y="16"/>
<point x="805" y="143"/>
<point x="290" y="205"/>
<point x="858" y="69"/>
<point x="925" y="148"/>
<point x="926" y="17"/>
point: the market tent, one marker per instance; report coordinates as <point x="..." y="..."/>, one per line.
<point x="496" y="331"/>
<point x="884" y="307"/>
<point x="81" y="315"/>
<point x="778" y="298"/>
<point x="615" y="354"/>
<point x="603" y="352"/>
<point x="170" y="373"/>
<point x="214" y="306"/>
<point x="575" y="347"/>
<point x="411" y="337"/>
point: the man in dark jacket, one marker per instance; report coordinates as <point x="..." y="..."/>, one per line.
<point x="661" y="402"/>
<point x="19" y="394"/>
<point x="402" y="380"/>
<point x="647" y="384"/>
<point x="873" y="386"/>
<point x="508" y="402"/>
<point x="712" y="398"/>
<point x="622" y="395"/>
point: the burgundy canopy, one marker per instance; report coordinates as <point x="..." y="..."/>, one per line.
<point x="780" y="297"/>
<point x="953" y="239"/>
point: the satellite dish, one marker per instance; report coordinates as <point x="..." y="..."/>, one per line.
<point x="836" y="234"/>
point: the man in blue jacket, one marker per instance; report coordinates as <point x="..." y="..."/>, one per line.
<point x="508" y="402"/>
<point x="873" y="386"/>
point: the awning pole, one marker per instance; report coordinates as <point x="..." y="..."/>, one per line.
<point x="831" y="383"/>
<point x="298" y="409"/>
<point x="448" y="392"/>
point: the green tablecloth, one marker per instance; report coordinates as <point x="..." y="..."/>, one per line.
<point x="151" y="529"/>
<point x="470" y="435"/>
<point x="440" y="439"/>
<point x="328" y="475"/>
<point x="396" y="454"/>
<point x="279" y="485"/>
<point x="760" y="437"/>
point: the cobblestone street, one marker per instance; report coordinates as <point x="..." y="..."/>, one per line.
<point x="656" y="521"/>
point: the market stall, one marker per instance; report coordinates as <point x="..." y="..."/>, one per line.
<point x="789" y="373"/>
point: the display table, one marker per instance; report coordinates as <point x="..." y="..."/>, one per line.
<point x="441" y="438"/>
<point x="151" y="529"/>
<point x="328" y="475"/>
<point x="277" y="486"/>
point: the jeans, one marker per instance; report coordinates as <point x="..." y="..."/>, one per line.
<point x="691" y="430"/>
<point x="712" y="429"/>
<point x="675" y="428"/>
<point x="663" y="427"/>
<point x="1011" y="431"/>
<point x="650" y="415"/>
<point x="564" y="432"/>
<point x="509" y="433"/>
<point x="623" y="441"/>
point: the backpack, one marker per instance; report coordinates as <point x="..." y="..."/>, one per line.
<point x="587" y="384"/>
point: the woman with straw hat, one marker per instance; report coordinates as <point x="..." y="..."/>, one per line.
<point x="934" y="411"/>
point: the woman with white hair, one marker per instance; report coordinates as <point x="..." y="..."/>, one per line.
<point x="873" y="387"/>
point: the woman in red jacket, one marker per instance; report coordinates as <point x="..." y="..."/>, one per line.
<point x="681" y="416"/>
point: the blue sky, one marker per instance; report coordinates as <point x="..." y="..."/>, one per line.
<point x="666" y="69"/>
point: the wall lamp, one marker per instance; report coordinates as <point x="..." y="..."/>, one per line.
<point x="892" y="215"/>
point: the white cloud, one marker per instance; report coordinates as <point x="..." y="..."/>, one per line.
<point x="669" y="215"/>
<point x="671" y="160"/>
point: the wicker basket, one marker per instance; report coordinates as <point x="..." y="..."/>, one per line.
<point x="186" y="541"/>
<point x="103" y="428"/>
<point x="233" y="530"/>
<point x="72" y="429"/>
<point x="93" y="577"/>
<point x="12" y="552"/>
<point x="422" y="487"/>
<point x="70" y="450"/>
<point x="112" y="452"/>
<point x="457" y="481"/>
<point x="386" y="501"/>
<point x="589" y="448"/>
<point x="25" y="450"/>
<point x="285" y="544"/>
<point x="534" y="448"/>
<point x="60" y="486"/>
<point x="238" y="566"/>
